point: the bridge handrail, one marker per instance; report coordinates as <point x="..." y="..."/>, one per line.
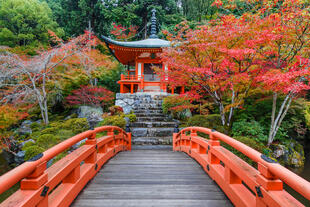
<point x="28" y="168"/>
<point x="267" y="168"/>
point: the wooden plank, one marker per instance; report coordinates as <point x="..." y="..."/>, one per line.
<point x="152" y="178"/>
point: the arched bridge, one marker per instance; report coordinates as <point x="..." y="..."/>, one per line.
<point x="150" y="177"/>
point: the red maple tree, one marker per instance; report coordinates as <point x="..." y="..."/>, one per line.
<point x="91" y="96"/>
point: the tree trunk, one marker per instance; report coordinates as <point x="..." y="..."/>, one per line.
<point x="276" y="122"/>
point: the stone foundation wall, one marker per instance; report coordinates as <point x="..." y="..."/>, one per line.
<point x="130" y="101"/>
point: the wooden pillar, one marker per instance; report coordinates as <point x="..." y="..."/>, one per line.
<point x="182" y="90"/>
<point x="172" y="90"/>
<point x="131" y="88"/>
<point x="122" y="88"/>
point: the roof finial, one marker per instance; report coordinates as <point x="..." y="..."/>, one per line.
<point x="153" y="26"/>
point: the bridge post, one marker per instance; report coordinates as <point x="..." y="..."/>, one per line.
<point x="129" y="141"/>
<point x="36" y="180"/>
<point x="92" y="141"/>
<point x="174" y="138"/>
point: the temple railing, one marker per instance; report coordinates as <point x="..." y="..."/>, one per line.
<point x="131" y="77"/>
<point x="59" y="184"/>
<point x="242" y="183"/>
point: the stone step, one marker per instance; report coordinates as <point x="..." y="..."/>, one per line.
<point x="147" y="111"/>
<point x="146" y="108"/>
<point x="152" y="140"/>
<point x="152" y="119"/>
<point x="149" y="115"/>
<point x="153" y="124"/>
<point x="152" y="132"/>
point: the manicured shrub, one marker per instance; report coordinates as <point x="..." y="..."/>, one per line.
<point x="179" y="107"/>
<point x="116" y="110"/>
<point x="32" y="151"/>
<point x="50" y="130"/>
<point x="250" y="129"/>
<point x="211" y="121"/>
<point x="132" y="117"/>
<point x="35" y="126"/>
<point x="28" y="144"/>
<point x="47" y="140"/>
<point x="77" y="125"/>
<point x="64" y="134"/>
<point x="114" y="121"/>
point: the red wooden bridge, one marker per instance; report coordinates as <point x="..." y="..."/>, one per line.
<point x="152" y="177"/>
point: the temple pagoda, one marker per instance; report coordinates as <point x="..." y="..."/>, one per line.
<point x="140" y="57"/>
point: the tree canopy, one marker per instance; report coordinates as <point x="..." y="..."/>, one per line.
<point x="24" y="22"/>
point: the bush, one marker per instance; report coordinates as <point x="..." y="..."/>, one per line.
<point x="132" y="117"/>
<point x="91" y="96"/>
<point x="28" y="144"/>
<point x="50" y="130"/>
<point x="77" y="125"/>
<point x="116" y="110"/>
<point x="35" y="126"/>
<point x="65" y="134"/>
<point x="47" y="140"/>
<point x="212" y="121"/>
<point x="179" y="106"/>
<point x="32" y="151"/>
<point x="114" y="121"/>
<point x="250" y="129"/>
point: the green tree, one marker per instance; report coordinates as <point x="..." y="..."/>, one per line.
<point x="24" y="22"/>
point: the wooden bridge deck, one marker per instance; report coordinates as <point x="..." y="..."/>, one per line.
<point x="151" y="178"/>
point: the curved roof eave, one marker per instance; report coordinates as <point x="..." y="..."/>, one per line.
<point x="147" y="43"/>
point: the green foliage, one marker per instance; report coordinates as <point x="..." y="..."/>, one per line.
<point x="28" y="144"/>
<point x="250" y="129"/>
<point x="212" y="121"/>
<point x="249" y="142"/>
<point x="77" y="125"/>
<point x="7" y="37"/>
<point x="47" y="140"/>
<point x="32" y="151"/>
<point x="258" y="108"/>
<point x="117" y="120"/>
<point x="132" y="117"/>
<point x="110" y="77"/>
<point x="179" y="106"/>
<point x="25" y="22"/>
<point x="307" y="114"/>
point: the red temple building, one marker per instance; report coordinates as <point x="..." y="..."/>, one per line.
<point x="141" y="57"/>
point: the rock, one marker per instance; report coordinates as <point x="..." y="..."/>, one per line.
<point x="279" y="151"/>
<point x="24" y="128"/>
<point x="93" y="114"/>
<point x="291" y="154"/>
<point x="139" y="132"/>
<point x="19" y="157"/>
<point x="127" y="120"/>
<point x="8" y="156"/>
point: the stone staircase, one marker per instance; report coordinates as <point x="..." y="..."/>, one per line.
<point x="152" y="126"/>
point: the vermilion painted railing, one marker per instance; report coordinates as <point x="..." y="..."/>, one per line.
<point x="60" y="184"/>
<point x="131" y="77"/>
<point x="242" y="183"/>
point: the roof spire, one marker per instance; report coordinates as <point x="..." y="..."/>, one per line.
<point x="153" y="26"/>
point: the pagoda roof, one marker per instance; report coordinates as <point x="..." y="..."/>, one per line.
<point x="127" y="52"/>
<point x="147" y="43"/>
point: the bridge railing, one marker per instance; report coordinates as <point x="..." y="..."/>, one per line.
<point x="242" y="183"/>
<point x="59" y="184"/>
